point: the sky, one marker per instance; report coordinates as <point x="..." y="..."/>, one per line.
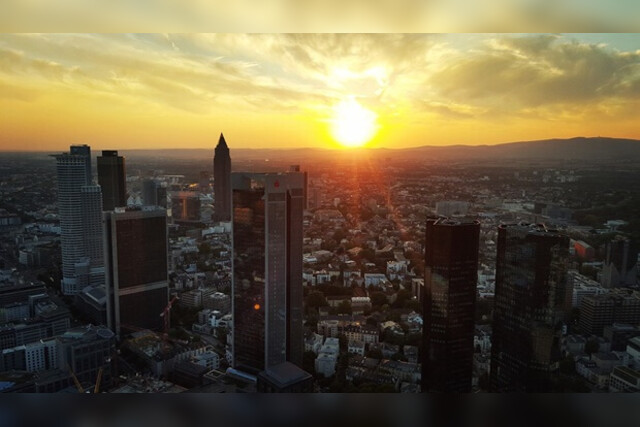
<point x="128" y="91"/>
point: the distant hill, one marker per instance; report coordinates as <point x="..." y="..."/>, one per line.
<point x="593" y="149"/>
<point x="579" y="148"/>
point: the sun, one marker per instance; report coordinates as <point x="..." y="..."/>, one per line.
<point x="352" y="125"/>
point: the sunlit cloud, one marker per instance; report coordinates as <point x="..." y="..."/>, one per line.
<point x="280" y="89"/>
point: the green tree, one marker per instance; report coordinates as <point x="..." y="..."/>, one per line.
<point x="378" y="298"/>
<point x="344" y="307"/>
<point x="315" y="299"/>
<point x="309" y="362"/>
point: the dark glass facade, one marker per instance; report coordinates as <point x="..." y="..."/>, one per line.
<point x="185" y="206"/>
<point x="267" y="266"/>
<point x="136" y="270"/>
<point x="451" y="274"/>
<point x="112" y="180"/>
<point x="222" y="181"/>
<point x="531" y="300"/>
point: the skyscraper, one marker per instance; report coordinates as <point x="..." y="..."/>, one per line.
<point x="78" y="204"/>
<point x="222" y="181"/>
<point x="296" y="168"/>
<point x="621" y="263"/>
<point x="267" y="270"/>
<point x="451" y="275"/>
<point x="153" y="193"/>
<point x="530" y="304"/>
<point x="112" y="180"/>
<point x="185" y="206"/>
<point x="136" y="267"/>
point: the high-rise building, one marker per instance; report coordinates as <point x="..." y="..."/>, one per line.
<point x="531" y="301"/>
<point x="78" y="202"/>
<point x="451" y="276"/>
<point x="83" y="151"/>
<point x="296" y="168"/>
<point x="153" y="193"/>
<point x="621" y="263"/>
<point x="267" y="270"/>
<point x="185" y="206"/>
<point x="136" y="267"/>
<point x="222" y="181"/>
<point x="112" y="180"/>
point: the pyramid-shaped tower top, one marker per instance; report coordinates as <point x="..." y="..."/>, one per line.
<point x="222" y="143"/>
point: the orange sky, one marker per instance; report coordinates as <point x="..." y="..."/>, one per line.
<point x="180" y="91"/>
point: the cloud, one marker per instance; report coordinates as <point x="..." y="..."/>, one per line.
<point x="453" y="77"/>
<point x="512" y="73"/>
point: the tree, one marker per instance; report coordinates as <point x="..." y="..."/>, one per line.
<point x="399" y="356"/>
<point x="344" y="307"/>
<point x="592" y="346"/>
<point x="402" y="297"/>
<point x="309" y="362"/>
<point x="315" y="300"/>
<point x="374" y="353"/>
<point x="567" y="366"/>
<point x="378" y="298"/>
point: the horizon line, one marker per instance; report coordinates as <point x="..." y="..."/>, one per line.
<point x="333" y="148"/>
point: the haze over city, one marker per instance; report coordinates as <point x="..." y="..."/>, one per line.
<point x="152" y="91"/>
<point x="319" y="213"/>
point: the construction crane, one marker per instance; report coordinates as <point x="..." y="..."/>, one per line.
<point x="81" y="389"/>
<point x="96" y="389"/>
<point x="75" y="379"/>
<point x="166" y="314"/>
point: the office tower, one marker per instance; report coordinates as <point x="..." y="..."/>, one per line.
<point x="267" y="270"/>
<point x="203" y="182"/>
<point x="185" y="206"/>
<point x="451" y="276"/>
<point x="92" y="234"/>
<point x="222" y="181"/>
<point x="136" y="268"/>
<point x="112" y="180"/>
<point x="621" y="263"/>
<point x="85" y="351"/>
<point x="618" y="306"/>
<point x="305" y="194"/>
<point x="78" y="200"/>
<point x="531" y="301"/>
<point x="153" y="193"/>
<point x="83" y="151"/>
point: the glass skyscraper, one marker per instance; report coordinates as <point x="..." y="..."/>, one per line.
<point x="112" y="180"/>
<point x="136" y="268"/>
<point x="451" y="275"/>
<point x="79" y="208"/>
<point x="267" y="270"/>
<point x="531" y="300"/>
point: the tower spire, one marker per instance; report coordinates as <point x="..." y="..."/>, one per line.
<point x="222" y="142"/>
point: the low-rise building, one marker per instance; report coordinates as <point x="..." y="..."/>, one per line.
<point x="624" y="379"/>
<point x="356" y="347"/>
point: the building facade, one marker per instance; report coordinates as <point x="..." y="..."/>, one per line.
<point x="112" y="179"/>
<point x="137" y="277"/>
<point x="451" y="275"/>
<point x="222" y="181"/>
<point x="78" y="204"/>
<point x="531" y="300"/>
<point x="267" y="270"/>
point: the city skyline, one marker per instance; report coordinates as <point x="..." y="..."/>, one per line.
<point x="310" y="90"/>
